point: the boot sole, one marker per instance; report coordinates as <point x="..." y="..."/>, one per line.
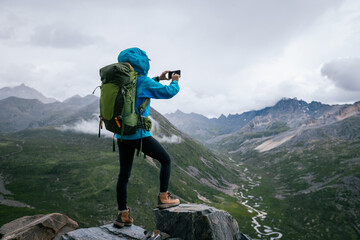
<point x="163" y="206"/>
<point x="120" y="225"/>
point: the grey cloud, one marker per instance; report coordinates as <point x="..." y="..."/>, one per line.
<point x="344" y="72"/>
<point x="9" y="23"/>
<point x="255" y="23"/>
<point x="60" y="36"/>
<point x="6" y="33"/>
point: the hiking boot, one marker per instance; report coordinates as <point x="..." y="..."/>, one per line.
<point x="123" y="219"/>
<point x="165" y="200"/>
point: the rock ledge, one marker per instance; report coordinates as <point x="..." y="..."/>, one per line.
<point x="197" y="221"/>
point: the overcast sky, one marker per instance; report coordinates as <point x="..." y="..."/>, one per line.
<point x="235" y="56"/>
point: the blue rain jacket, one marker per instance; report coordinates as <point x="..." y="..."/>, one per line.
<point x="146" y="87"/>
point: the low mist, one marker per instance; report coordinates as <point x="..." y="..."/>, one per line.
<point x="92" y="127"/>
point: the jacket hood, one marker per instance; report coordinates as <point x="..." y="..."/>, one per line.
<point x="137" y="58"/>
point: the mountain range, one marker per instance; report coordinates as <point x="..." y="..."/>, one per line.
<point x="19" y="113"/>
<point x="265" y="129"/>
<point x="288" y="171"/>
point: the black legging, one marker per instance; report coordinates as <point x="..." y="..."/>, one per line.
<point x="150" y="147"/>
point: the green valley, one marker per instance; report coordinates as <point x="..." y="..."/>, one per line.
<point x="76" y="174"/>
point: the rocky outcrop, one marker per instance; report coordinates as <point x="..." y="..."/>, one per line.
<point x="184" y="222"/>
<point x="197" y="222"/>
<point x="39" y="227"/>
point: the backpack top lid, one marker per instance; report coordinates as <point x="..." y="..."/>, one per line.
<point x="137" y="58"/>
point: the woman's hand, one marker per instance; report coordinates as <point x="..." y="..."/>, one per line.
<point x="175" y="77"/>
<point x="163" y="75"/>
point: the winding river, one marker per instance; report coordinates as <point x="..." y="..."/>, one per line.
<point x="253" y="204"/>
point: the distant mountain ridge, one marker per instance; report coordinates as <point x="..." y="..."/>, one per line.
<point x="81" y="101"/>
<point x="285" y="115"/>
<point x="19" y="114"/>
<point x="23" y="91"/>
<point x="23" y="107"/>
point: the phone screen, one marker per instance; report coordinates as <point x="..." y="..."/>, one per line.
<point x="176" y="72"/>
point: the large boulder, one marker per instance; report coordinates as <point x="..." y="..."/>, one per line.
<point x="39" y="227"/>
<point x="197" y="222"/>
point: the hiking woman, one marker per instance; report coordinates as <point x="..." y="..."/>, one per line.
<point x="146" y="89"/>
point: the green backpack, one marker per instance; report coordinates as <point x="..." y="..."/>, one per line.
<point x="117" y="99"/>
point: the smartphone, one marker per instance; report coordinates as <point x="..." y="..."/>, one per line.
<point x="176" y="72"/>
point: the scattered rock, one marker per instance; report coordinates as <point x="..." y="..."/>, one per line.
<point x="40" y="227"/>
<point x="197" y="222"/>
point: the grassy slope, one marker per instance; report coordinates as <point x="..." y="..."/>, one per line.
<point x="76" y="174"/>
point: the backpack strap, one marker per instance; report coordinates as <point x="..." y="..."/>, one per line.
<point x="122" y="115"/>
<point x="141" y="109"/>
<point x="122" y="112"/>
<point x="144" y="105"/>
